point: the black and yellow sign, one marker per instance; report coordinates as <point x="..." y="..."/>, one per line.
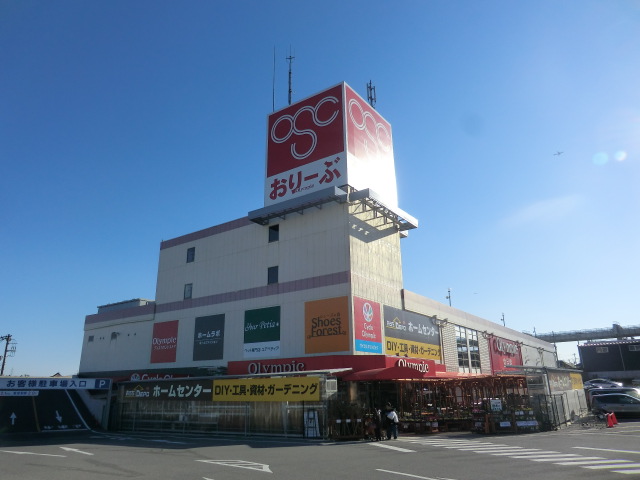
<point x="411" y="334"/>
<point x="400" y="347"/>
<point x="291" y="389"/>
<point x="169" y="390"/>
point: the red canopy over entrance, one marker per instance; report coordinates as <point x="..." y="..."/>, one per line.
<point x="389" y="373"/>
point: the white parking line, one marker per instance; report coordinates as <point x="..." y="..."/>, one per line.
<point x="555" y="458"/>
<point x="609" y="450"/>
<point x="528" y="454"/>
<point x="391" y="447"/>
<point x="488" y="449"/>
<point x="619" y="463"/>
<point x="32" y="453"/>
<point x="407" y="474"/>
<point x="586" y="461"/>
<point x="75" y="450"/>
<point x="523" y="451"/>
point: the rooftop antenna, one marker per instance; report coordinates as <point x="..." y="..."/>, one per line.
<point x="371" y="94"/>
<point x="273" y="82"/>
<point x="290" y="60"/>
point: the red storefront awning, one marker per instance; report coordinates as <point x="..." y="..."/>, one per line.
<point x="389" y="373"/>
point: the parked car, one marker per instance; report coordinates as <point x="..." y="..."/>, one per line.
<point x="601" y="382"/>
<point x="619" y="403"/>
<point x="634" y="392"/>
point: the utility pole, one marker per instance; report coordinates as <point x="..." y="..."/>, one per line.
<point x="7" y="351"/>
<point x="449" y="296"/>
<point x="503" y="324"/>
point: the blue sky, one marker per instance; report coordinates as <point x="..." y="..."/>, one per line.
<point x="124" y="123"/>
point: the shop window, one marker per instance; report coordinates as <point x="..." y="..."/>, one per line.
<point x="191" y="254"/>
<point x="188" y="290"/>
<point x="272" y="275"/>
<point x="274" y="233"/>
<point x="602" y="349"/>
<point x="468" y="350"/>
<point x="634" y="348"/>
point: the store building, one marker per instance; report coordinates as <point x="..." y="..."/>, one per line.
<point x="308" y="286"/>
<point x="618" y="360"/>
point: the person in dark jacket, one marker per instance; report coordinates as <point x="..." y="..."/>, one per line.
<point x="377" y="418"/>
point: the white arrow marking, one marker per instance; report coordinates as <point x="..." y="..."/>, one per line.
<point x="58" y="417"/>
<point x="13" y="418"/>
<point x="240" y="464"/>
<point x="31" y="453"/>
<point x="75" y="450"/>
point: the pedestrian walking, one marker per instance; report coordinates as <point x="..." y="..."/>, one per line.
<point x="392" y="422"/>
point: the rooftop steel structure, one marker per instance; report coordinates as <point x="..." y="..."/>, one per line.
<point x="616" y="331"/>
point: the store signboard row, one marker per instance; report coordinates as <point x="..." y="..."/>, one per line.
<point x="347" y="364"/>
<point x="54" y="383"/>
<point x="328" y="329"/>
<point x="294" y="389"/>
<point x="403" y="333"/>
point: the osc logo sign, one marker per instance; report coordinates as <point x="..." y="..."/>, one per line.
<point x="369" y="134"/>
<point x="305" y="132"/>
<point x="293" y="125"/>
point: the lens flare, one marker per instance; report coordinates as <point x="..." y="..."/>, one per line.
<point x="600" y="158"/>
<point x="620" y="155"/>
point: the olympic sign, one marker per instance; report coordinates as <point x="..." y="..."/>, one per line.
<point x="503" y="354"/>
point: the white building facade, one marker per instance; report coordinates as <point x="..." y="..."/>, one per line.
<point x="312" y="281"/>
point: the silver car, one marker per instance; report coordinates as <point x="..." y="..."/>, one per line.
<point x="633" y="391"/>
<point x="601" y="383"/>
<point x="619" y="403"/>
